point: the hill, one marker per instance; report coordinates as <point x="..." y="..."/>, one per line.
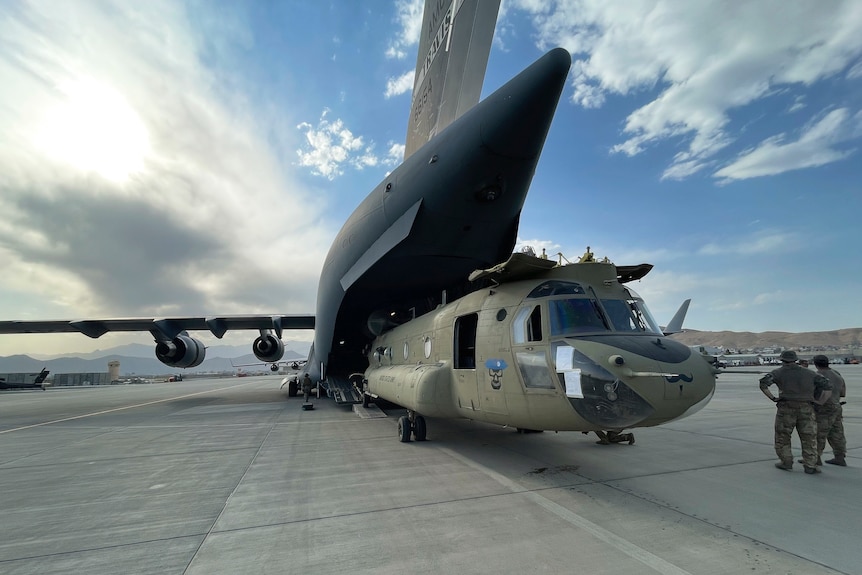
<point x="145" y="351"/>
<point x="128" y="364"/>
<point x="850" y="338"/>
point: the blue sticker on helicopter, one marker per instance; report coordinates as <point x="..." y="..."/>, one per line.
<point x="496" y="364"/>
<point x="495" y="370"/>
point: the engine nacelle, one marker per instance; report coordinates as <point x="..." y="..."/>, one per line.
<point x="182" y="351"/>
<point x="268" y="348"/>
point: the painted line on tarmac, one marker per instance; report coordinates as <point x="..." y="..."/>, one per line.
<point x="74" y="417"/>
<point x="638" y="553"/>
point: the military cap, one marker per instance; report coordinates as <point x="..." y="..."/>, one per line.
<point x="820" y="360"/>
<point x="788" y="356"/>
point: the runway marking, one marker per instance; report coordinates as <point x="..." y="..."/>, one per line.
<point x="123" y="408"/>
<point x="627" y="547"/>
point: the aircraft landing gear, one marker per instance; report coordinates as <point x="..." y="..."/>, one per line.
<point x="608" y="437"/>
<point x="414" y="424"/>
<point x="419" y="428"/>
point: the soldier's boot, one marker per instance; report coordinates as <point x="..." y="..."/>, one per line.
<point x="818" y="464"/>
<point x="785" y="465"/>
<point x="812" y="470"/>
<point x="837" y="460"/>
<point x="617" y="437"/>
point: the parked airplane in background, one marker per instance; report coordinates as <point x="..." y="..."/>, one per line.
<point x="24" y="380"/>
<point x="421" y="301"/>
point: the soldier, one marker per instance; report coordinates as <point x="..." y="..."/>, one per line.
<point x="798" y="390"/>
<point x="306" y="387"/>
<point x="830" y="423"/>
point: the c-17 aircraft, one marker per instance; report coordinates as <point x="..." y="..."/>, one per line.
<point x="420" y="300"/>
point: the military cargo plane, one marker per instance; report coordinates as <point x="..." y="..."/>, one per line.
<point x="422" y="303"/>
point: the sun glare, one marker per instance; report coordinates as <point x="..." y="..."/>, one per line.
<point x="95" y="129"/>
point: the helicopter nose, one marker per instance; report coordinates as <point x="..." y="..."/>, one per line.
<point x="521" y="111"/>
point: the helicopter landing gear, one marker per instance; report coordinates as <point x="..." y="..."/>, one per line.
<point x="412" y="424"/>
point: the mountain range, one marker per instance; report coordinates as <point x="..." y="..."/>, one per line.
<point x="848" y="339"/>
<point x="136" y="358"/>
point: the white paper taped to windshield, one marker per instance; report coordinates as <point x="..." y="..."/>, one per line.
<point x="573" y="383"/>
<point x="565" y="356"/>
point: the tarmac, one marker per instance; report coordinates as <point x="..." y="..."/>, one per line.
<point x="230" y="476"/>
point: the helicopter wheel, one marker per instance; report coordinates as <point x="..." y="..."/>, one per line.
<point x="420" y="429"/>
<point x="404" y="429"/>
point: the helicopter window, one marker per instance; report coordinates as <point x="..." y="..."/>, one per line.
<point x="630" y="316"/>
<point x="528" y="325"/>
<point x="620" y="314"/>
<point x="644" y="316"/>
<point x="575" y="316"/>
<point x="534" y="369"/>
<point x="556" y="287"/>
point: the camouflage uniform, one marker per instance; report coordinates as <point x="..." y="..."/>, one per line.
<point x="830" y="423"/>
<point x="797" y="389"/>
<point x="306" y="387"/>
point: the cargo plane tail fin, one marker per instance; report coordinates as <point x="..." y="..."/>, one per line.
<point x="454" y="47"/>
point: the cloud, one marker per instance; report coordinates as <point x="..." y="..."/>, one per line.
<point x="395" y="155"/>
<point x="668" y="288"/>
<point x="768" y="242"/>
<point x="551" y="249"/>
<point x="814" y="147"/>
<point x="798" y="104"/>
<point x="409" y="19"/>
<point x="330" y="146"/>
<point x="194" y="224"/>
<point x="400" y="85"/>
<point x="698" y="71"/>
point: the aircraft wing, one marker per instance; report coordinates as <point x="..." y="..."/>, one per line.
<point x="165" y="327"/>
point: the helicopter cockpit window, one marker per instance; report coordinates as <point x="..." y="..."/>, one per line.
<point x="527" y="325"/>
<point x="534" y="369"/>
<point x="577" y="315"/>
<point x="630" y="316"/>
<point x="621" y="315"/>
<point x="556" y="287"/>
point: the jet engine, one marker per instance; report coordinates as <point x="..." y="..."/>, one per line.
<point x="182" y="351"/>
<point x="268" y="348"/>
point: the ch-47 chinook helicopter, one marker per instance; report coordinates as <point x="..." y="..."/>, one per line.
<point x="525" y="343"/>
<point x="545" y="347"/>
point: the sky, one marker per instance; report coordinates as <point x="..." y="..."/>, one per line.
<point x="170" y="158"/>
